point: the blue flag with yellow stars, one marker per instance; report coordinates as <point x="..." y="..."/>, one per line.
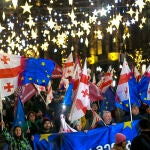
<point x="100" y="138"/>
<point x="144" y="89"/>
<point x="19" y="119"/>
<point x="37" y="71"/>
<point x="108" y="102"/>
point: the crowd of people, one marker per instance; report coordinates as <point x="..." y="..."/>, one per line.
<point x="42" y="119"/>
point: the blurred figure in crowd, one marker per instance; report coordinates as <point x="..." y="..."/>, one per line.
<point x="142" y="141"/>
<point x="120" y="142"/>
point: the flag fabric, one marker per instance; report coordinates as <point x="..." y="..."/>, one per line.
<point x="81" y="102"/>
<point x="64" y="127"/>
<point x="37" y="71"/>
<point x="40" y="88"/>
<point x="19" y="119"/>
<point x="68" y="95"/>
<point x="49" y="93"/>
<point x="94" y="93"/>
<point x="76" y="76"/>
<point x="137" y="75"/>
<point x="106" y="81"/>
<point x="68" y="67"/>
<point x="94" y="79"/>
<point x="26" y="92"/>
<point x="64" y="83"/>
<point x="10" y="68"/>
<point x="108" y="103"/>
<point x="144" y="87"/>
<point x="57" y="73"/>
<point x="96" y="119"/>
<point x="127" y="89"/>
<point x="100" y="138"/>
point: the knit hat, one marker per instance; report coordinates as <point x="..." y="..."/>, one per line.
<point x="119" y="138"/>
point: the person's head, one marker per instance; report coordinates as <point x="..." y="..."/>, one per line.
<point x="107" y="117"/>
<point x="135" y="110"/>
<point x="17" y="131"/>
<point x="148" y="109"/>
<point x="47" y="124"/>
<point x="31" y="116"/>
<point x="94" y="106"/>
<point x="144" y="125"/>
<point x="39" y="113"/>
<point x="120" y="139"/>
<point x="77" y="125"/>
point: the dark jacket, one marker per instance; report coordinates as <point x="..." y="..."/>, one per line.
<point x="141" y="142"/>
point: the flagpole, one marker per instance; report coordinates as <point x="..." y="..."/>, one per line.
<point x="40" y="94"/>
<point x="1" y="110"/>
<point x="130" y="104"/>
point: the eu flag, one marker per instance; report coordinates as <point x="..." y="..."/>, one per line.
<point x="19" y="119"/>
<point x="144" y="89"/>
<point x="108" y="103"/>
<point x="68" y="95"/>
<point x="37" y="71"/>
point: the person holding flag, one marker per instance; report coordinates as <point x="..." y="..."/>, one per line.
<point x="17" y="141"/>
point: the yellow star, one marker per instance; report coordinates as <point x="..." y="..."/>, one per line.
<point x="43" y="64"/>
<point x="44" y="137"/>
<point x="127" y="124"/>
<point x="30" y="78"/>
<point x="26" y="8"/>
<point x="48" y="76"/>
<point x="43" y="81"/>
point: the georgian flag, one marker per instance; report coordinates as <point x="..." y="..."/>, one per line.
<point x="106" y="81"/>
<point x="127" y="89"/>
<point x="81" y="102"/>
<point x="68" y="67"/>
<point x="10" y="68"/>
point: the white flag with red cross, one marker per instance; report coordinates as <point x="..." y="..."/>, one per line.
<point x="81" y="102"/>
<point x="106" y="81"/>
<point x="10" y="68"/>
<point x="68" y="67"/>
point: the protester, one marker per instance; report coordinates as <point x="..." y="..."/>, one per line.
<point x="120" y="142"/>
<point x="147" y="114"/>
<point x="135" y="114"/>
<point x="142" y="141"/>
<point x="31" y="126"/>
<point x="17" y="141"/>
<point x="47" y="127"/>
<point x="106" y="120"/>
<point x="77" y="125"/>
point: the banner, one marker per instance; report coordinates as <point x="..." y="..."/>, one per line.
<point x="96" y="139"/>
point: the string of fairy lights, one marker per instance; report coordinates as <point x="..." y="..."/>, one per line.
<point x="19" y="29"/>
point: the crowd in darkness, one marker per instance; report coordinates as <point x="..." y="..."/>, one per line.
<point x="46" y="119"/>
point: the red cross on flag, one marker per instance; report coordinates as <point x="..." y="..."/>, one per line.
<point x="81" y="102"/>
<point x="106" y="81"/>
<point x="10" y="68"/>
<point x="68" y="67"/>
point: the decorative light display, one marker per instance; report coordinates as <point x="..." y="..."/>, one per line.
<point x="24" y="27"/>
